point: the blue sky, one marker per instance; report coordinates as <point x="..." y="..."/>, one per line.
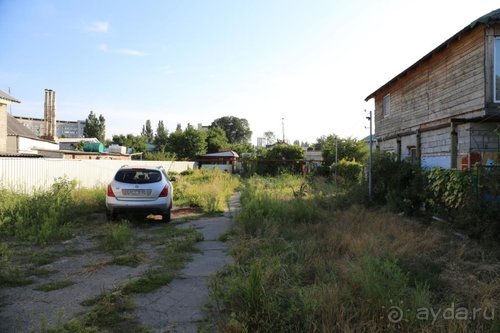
<point x="310" y="62"/>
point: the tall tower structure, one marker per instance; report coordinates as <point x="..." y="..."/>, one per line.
<point x="49" y="115"/>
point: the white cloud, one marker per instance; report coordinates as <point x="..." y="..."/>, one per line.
<point x="130" y="52"/>
<point x="98" y="26"/>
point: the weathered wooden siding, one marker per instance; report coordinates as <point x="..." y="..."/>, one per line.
<point x="451" y="83"/>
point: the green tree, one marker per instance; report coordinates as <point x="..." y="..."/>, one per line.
<point x="159" y="156"/>
<point x="95" y="127"/>
<point x="242" y="148"/>
<point x="347" y="148"/>
<point x="136" y="142"/>
<point x="237" y="129"/>
<point x="187" y="144"/>
<point x="280" y="158"/>
<point x="194" y="143"/>
<point x="320" y="142"/>
<point x="147" y="132"/>
<point x="161" y="137"/>
<point x="216" y="140"/>
<point x="270" y="138"/>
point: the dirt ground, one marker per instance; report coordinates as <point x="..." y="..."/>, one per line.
<point x="176" y="307"/>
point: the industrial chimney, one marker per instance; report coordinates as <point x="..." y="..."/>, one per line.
<point x="49" y="115"/>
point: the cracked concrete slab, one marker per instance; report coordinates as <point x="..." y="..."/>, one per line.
<point x="174" y="308"/>
<point x="178" y="306"/>
<point x="25" y="309"/>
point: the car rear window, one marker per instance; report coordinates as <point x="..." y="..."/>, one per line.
<point x="138" y="176"/>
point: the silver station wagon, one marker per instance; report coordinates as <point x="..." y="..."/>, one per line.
<point x="139" y="189"/>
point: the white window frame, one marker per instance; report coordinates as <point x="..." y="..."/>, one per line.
<point x="494" y="71"/>
<point x="386" y="105"/>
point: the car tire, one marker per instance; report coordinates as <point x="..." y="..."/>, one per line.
<point x="166" y="216"/>
<point x="111" y="215"/>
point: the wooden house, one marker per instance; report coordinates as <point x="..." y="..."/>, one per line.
<point x="444" y="110"/>
<point x="224" y="161"/>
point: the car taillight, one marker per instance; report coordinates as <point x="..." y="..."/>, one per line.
<point x="110" y="192"/>
<point x="164" y="192"/>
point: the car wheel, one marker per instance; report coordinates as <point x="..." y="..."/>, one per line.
<point x="166" y="216"/>
<point x="111" y="215"/>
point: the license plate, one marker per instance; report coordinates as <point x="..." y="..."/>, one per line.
<point x="136" y="192"/>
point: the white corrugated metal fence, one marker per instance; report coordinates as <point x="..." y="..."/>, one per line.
<point x="29" y="174"/>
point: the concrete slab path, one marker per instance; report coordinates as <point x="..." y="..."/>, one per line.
<point x="178" y="306"/>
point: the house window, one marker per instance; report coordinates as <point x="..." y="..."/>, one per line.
<point x="496" y="79"/>
<point x="386" y="104"/>
<point x="412" y="153"/>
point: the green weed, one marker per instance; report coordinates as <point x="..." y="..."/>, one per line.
<point x="151" y="280"/>
<point x="129" y="259"/>
<point x="180" y="243"/>
<point x="111" y="312"/>
<point x="45" y="216"/>
<point x="54" y="285"/>
<point x="118" y="237"/>
<point x="10" y="274"/>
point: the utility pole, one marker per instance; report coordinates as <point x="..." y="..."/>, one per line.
<point x="336" y="149"/>
<point x="283" y="128"/>
<point x="369" y="118"/>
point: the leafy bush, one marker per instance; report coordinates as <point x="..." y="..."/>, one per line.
<point x="397" y="184"/>
<point x="448" y="189"/>
<point x="465" y="197"/>
<point x="347" y="172"/>
<point x="281" y="158"/>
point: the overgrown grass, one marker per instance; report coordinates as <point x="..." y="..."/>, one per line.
<point x="304" y="265"/>
<point x="132" y="259"/>
<point x="46" y="215"/>
<point x="118" y="237"/>
<point x="111" y="312"/>
<point x="178" y="248"/>
<point x="10" y="274"/>
<point x="207" y="189"/>
<point x="54" y="285"/>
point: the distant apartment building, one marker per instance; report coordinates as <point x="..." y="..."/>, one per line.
<point x="64" y="128"/>
<point x="261" y="142"/>
<point x="201" y="127"/>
